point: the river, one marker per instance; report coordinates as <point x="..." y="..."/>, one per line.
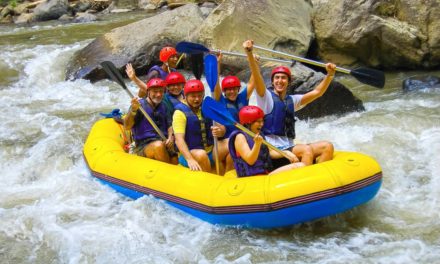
<point x="53" y="211"/>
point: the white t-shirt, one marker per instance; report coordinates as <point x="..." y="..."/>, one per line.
<point x="266" y="104"/>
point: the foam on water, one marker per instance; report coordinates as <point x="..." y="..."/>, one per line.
<point x="52" y="210"/>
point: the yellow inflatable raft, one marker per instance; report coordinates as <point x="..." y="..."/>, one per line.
<point x="283" y="199"/>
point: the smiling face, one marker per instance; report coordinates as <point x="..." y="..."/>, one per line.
<point x="155" y="94"/>
<point x="195" y="99"/>
<point x="172" y="61"/>
<point x="257" y="125"/>
<point x="280" y="82"/>
<point x="175" y="89"/>
<point x="232" y="93"/>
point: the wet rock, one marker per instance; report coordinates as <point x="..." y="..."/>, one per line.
<point x="280" y="24"/>
<point x="138" y="43"/>
<point x="24" y="18"/>
<point x="52" y="9"/>
<point x="386" y="34"/>
<point x="84" y="18"/>
<point x="421" y="83"/>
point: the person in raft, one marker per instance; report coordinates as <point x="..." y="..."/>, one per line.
<point x="193" y="131"/>
<point x="250" y="156"/>
<point x="148" y="142"/>
<point x="232" y="98"/>
<point x="175" y="82"/>
<point x="168" y="56"/>
<point x="280" y="108"/>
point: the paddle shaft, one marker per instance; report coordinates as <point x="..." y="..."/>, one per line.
<point x="252" y="134"/>
<point x="217" y="164"/>
<point x="300" y="59"/>
<point x="245" y="56"/>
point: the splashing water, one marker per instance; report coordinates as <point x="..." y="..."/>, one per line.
<point x="53" y="211"/>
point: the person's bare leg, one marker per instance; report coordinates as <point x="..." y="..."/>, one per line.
<point x="304" y="153"/>
<point x="322" y="149"/>
<point x="292" y="166"/>
<point x="157" y="150"/>
<point x="202" y="158"/>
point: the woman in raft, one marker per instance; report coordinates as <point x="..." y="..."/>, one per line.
<point x="250" y="156"/>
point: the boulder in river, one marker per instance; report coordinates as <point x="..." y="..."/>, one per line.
<point x="138" y="43"/>
<point x="421" y="83"/>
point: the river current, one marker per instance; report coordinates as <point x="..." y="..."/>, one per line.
<point x="53" y="211"/>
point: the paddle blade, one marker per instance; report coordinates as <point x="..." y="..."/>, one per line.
<point x="190" y="48"/>
<point x="217" y="112"/>
<point x="368" y="76"/>
<point x="211" y="71"/>
<point x="113" y="73"/>
<point x="197" y="65"/>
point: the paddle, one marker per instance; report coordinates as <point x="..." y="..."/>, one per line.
<point x="197" y="65"/>
<point x="364" y="75"/>
<point x="218" y="112"/>
<point x="211" y="75"/>
<point x="116" y="76"/>
<point x="368" y="76"/>
<point x="195" y="48"/>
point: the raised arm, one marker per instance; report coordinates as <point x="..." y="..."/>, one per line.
<point x="132" y="75"/>
<point x="321" y="88"/>
<point x="255" y="70"/>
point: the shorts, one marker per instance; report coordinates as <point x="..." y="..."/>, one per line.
<point x="141" y="144"/>
<point x="183" y="162"/>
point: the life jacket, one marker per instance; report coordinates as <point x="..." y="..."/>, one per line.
<point x="174" y="101"/>
<point x="263" y="164"/>
<point x="162" y="74"/>
<point x="195" y="137"/>
<point x="281" y="121"/>
<point x="233" y="109"/>
<point x="143" y="129"/>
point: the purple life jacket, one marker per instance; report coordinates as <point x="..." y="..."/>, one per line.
<point x="142" y="129"/>
<point x="263" y="164"/>
<point x="193" y="132"/>
<point x="162" y="74"/>
<point x="281" y="121"/>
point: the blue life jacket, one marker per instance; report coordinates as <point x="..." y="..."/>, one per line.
<point x="143" y="129"/>
<point x="193" y="132"/>
<point x="162" y="74"/>
<point x="174" y="101"/>
<point x="281" y="121"/>
<point x="234" y="108"/>
<point x="263" y="164"/>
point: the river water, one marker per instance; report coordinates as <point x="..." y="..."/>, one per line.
<point x="53" y="211"/>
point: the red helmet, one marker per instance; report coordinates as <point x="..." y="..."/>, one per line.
<point x="230" y="82"/>
<point x="156" y="82"/>
<point x="192" y="86"/>
<point x="166" y="53"/>
<point x="175" y="78"/>
<point x="281" y="69"/>
<point x="249" y="114"/>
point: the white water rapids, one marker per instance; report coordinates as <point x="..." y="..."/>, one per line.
<point x="53" y="211"/>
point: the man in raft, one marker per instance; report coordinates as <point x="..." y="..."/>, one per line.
<point x="250" y="156"/>
<point x="279" y="109"/>
<point x="148" y="142"/>
<point x="168" y="56"/>
<point x="193" y="131"/>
